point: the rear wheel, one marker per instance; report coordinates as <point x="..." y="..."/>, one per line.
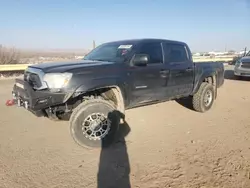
<point x="94" y="123"/>
<point x="204" y="98"/>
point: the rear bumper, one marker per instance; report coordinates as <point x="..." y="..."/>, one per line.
<point x="35" y="101"/>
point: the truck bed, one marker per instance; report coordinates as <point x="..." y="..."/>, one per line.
<point x="204" y="69"/>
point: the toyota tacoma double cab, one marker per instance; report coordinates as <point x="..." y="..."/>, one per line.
<point x="93" y="93"/>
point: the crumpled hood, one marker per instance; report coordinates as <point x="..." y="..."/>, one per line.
<point x="68" y="65"/>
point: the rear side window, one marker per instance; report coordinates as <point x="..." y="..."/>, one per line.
<point x="175" y="53"/>
<point x="153" y="50"/>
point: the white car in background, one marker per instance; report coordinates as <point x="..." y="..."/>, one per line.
<point x="242" y="66"/>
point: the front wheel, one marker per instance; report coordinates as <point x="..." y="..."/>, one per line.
<point x="94" y="123"/>
<point x="204" y="98"/>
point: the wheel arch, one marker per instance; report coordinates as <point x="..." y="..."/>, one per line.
<point x="209" y="78"/>
<point x="114" y="93"/>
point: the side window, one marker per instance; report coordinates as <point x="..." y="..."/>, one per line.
<point x="175" y="53"/>
<point x="153" y="50"/>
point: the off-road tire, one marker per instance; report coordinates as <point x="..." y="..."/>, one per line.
<point x="86" y="108"/>
<point x="198" y="98"/>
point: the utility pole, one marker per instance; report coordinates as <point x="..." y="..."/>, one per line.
<point x="245" y="51"/>
<point x="93" y="44"/>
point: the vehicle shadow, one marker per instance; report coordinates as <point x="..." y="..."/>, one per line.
<point x="186" y="102"/>
<point x="114" y="166"/>
<point x="229" y="75"/>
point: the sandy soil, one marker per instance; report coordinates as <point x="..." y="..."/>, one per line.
<point x="167" y="145"/>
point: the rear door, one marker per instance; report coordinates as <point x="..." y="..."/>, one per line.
<point x="148" y="82"/>
<point x="181" y="69"/>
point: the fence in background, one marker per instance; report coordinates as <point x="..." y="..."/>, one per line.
<point x="13" y="67"/>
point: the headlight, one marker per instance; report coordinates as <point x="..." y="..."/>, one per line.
<point x="57" y="80"/>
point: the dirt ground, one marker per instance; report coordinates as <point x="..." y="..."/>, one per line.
<point x="167" y="145"/>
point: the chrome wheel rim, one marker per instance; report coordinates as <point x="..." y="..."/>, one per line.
<point x="96" y="126"/>
<point x="208" y="97"/>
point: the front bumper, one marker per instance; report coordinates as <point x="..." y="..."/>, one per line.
<point x="35" y="101"/>
<point x="239" y="71"/>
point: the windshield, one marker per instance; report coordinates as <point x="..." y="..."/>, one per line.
<point x="114" y="52"/>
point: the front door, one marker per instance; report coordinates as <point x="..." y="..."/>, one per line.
<point x="148" y="82"/>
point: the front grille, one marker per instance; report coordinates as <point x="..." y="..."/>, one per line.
<point x="33" y="79"/>
<point x="245" y="65"/>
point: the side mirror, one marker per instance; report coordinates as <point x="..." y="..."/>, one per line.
<point x="140" y="60"/>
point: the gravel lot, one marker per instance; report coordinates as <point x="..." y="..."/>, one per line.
<point x="167" y="145"/>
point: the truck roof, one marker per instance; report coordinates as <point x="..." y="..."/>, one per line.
<point x="147" y="40"/>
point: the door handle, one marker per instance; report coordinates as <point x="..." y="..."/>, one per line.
<point x="189" y="69"/>
<point x="164" y="71"/>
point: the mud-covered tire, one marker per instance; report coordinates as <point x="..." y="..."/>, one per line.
<point x="198" y="99"/>
<point x="82" y="111"/>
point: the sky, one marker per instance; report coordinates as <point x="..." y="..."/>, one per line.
<point x="205" y="25"/>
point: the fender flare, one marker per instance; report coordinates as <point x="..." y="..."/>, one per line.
<point x="119" y="89"/>
<point x="203" y="77"/>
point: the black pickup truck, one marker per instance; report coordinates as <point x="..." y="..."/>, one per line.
<point x="93" y="93"/>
